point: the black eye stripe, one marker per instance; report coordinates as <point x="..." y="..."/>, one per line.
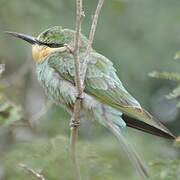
<point x="51" y="45"/>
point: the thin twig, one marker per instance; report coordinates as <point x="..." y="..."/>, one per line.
<point x="91" y="38"/>
<point x="73" y="141"/>
<point x="36" y="174"/>
<point x="75" y="119"/>
<point x="79" y="18"/>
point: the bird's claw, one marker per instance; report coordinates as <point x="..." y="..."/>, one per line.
<point x="74" y="124"/>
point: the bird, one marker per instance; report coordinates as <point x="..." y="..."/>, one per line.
<point x="105" y="98"/>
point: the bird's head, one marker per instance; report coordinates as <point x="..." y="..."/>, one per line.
<point x="48" y="42"/>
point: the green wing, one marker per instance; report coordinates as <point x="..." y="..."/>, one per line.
<point x="101" y="80"/>
<point x="103" y="83"/>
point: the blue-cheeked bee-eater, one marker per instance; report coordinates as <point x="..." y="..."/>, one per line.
<point x="105" y="98"/>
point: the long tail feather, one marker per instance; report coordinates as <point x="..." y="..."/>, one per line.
<point x="136" y="160"/>
<point x="142" y="126"/>
<point x="139" y="118"/>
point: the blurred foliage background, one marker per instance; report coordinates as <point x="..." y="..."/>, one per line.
<point x="139" y="36"/>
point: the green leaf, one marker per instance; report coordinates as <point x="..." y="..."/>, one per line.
<point x="165" y="75"/>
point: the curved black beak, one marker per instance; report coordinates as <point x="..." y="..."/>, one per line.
<point x="32" y="40"/>
<point x="27" y="38"/>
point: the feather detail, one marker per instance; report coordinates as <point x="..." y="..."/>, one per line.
<point x="142" y="126"/>
<point x="103" y="84"/>
<point x="111" y="119"/>
<point x="134" y="158"/>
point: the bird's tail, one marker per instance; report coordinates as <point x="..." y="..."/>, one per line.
<point x="111" y="119"/>
<point x="133" y="156"/>
<point x="145" y="127"/>
<point x="140" y="119"/>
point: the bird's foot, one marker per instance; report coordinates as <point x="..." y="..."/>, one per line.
<point x="80" y="96"/>
<point x="74" y="124"/>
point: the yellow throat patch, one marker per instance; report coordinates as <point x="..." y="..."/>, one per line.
<point x="39" y="53"/>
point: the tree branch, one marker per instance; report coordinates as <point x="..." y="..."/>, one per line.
<point x="79" y="81"/>
<point x="75" y="119"/>
<point x="36" y="174"/>
<point x="91" y="38"/>
<point x="79" y="18"/>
